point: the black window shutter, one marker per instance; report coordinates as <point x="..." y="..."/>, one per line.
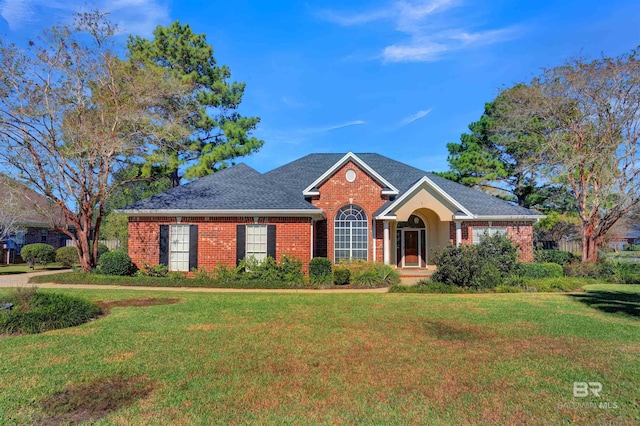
<point x="164" y="245"/>
<point x="193" y="247"/>
<point x="241" y="241"/>
<point x="271" y="241"/>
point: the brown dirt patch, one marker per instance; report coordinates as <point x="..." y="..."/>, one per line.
<point x="92" y="401"/>
<point x="453" y="331"/>
<point x="140" y="302"/>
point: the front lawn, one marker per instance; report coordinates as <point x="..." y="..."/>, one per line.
<point x="256" y="358"/>
<point x="23" y="268"/>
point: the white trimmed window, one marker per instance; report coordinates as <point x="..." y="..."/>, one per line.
<point x="480" y="232"/>
<point x="179" y="248"/>
<point x="257" y="242"/>
<point x="350" y="234"/>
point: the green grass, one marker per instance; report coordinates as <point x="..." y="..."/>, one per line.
<point x="268" y="358"/>
<point x="23" y="268"/>
<point x="632" y="256"/>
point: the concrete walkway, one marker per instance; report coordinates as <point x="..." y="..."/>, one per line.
<point x="21" y="280"/>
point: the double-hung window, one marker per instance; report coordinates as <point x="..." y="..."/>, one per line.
<point x="480" y="232"/>
<point x="257" y="242"/>
<point x="179" y="248"/>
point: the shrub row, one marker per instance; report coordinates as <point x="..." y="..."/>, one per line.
<point x="39" y="312"/>
<point x="42" y="254"/>
<point x="553" y="256"/>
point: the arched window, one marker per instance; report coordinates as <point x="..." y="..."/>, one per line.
<point x="351" y="234"/>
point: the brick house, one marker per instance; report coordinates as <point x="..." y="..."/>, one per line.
<point x="340" y="206"/>
<point x="37" y="221"/>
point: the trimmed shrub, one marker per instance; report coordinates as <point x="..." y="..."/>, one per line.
<point x="481" y="266"/>
<point x="341" y="276"/>
<point x="540" y="270"/>
<point x="116" y="262"/>
<point x="102" y="249"/>
<point x="553" y="256"/>
<point x="320" y="270"/>
<point x="39" y="254"/>
<point x="158" y="270"/>
<point x="67" y="256"/>
<point x="599" y="270"/>
<point x="291" y="269"/>
<point x="47" y="311"/>
<point x="556" y="284"/>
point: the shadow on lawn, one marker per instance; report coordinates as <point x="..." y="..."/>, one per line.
<point x="611" y="302"/>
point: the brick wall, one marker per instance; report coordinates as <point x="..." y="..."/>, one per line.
<point x="519" y="232"/>
<point x="217" y="238"/>
<point x="52" y="237"/>
<point x="337" y="192"/>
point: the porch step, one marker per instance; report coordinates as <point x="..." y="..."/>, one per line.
<point x="412" y="276"/>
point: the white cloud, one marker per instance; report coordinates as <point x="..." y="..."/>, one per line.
<point x="426" y="36"/>
<point x="418" y="115"/>
<point x="339" y="126"/>
<point x="132" y="16"/>
<point x="302" y="135"/>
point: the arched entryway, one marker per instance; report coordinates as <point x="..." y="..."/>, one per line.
<point x="411" y="237"/>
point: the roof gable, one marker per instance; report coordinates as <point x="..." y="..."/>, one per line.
<point x="388" y="188"/>
<point x="424" y="183"/>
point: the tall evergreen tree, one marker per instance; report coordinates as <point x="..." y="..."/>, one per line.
<point x="500" y="158"/>
<point x="220" y="133"/>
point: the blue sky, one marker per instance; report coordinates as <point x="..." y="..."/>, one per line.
<point x="400" y="78"/>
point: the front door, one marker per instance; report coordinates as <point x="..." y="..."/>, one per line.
<point x="411" y="249"/>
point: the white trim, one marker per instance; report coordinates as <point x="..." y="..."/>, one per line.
<point x="415" y="187"/>
<point x="373" y="238"/>
<point x="309" y="190"/>
<point x="233" y="213"/>
<point x="530" y="218"/>
<point x="458" y="233"/>
<point x="386" y="255"/>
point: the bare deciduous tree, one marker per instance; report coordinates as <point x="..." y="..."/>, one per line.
<point x="72" y="112"/>
<point x="592" y="111"/>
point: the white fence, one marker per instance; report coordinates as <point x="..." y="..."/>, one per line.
<point x="112" y="244"/>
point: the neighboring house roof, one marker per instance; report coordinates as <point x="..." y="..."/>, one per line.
<point x="35" y="210"/>
<point x="241" y="188"/>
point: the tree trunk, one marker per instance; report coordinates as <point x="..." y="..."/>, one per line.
<point x="84" y="252"/>
<point x="589" y="245"/>
<point x="175" y="178"/>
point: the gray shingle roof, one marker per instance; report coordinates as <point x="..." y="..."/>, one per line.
<point x="243" y="188"/>
<point x="299" y="174"/>
<point x="237" y="188"/>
